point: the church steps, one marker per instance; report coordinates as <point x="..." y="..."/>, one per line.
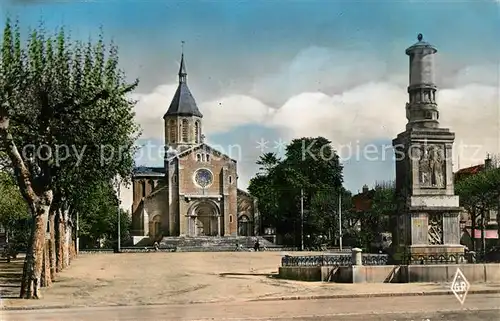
<point x="212" y="244"/>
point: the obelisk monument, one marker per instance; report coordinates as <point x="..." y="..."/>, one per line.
<point x="427" y="228"/>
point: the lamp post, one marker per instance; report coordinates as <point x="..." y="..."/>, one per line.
<point x="340" y="221"/>
<point x="118" y="213"/>
<point x="77" y="233"/>
<point x="302" y="219"/>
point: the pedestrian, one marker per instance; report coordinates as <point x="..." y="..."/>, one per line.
<point x="256" y="246"/>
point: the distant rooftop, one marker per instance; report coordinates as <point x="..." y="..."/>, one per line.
<point x="148" y="171"/>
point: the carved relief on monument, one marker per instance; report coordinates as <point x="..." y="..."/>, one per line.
<point x="431" y="166"/>
<point x="435" y="229"/>
<point x="401" y="230"/>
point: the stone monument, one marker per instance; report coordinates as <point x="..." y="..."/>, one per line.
<point x="427" y="221"/>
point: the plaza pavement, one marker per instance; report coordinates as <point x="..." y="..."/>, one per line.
<point x="444" y="308"/>
<point x="155" y="279"/>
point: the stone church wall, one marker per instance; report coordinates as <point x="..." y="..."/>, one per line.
<point x="224" y="185"/>
<point x="157" y="206"/>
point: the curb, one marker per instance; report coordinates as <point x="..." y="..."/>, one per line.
<point x="373" y="295"/>
<point x="292" y="298"/>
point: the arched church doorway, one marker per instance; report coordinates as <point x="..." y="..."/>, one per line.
<point x="205" y="220"/>
<point x="155" y="229"/>
<point x="244" y="228"/>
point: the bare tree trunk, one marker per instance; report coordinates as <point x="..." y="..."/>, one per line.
<point x="498" y="220"/>
<point x="473" y="229"/>
<point x="72" y="251"/>
<point x="32" y="276"/>
<point x="52" y="246"/>
<point x="46" y="277"/>
<point x="59" y="225"/>
<point x="483" y="236"/>
<point x="66" y="239"/>
<point x="39" y="202"/>
<point x="28" y="260"/>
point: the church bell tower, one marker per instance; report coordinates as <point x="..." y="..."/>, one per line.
<point x="183" y="119"/>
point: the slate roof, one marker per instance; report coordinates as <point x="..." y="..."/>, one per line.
<point x="183" y="103"/>
<point x="201" y="146"/>
<point x="148" y="171"/>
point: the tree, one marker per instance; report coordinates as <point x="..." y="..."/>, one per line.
<point x="479" y="194"/>
<point x="98" y="208"/>
<point x="54" y="97"/>
<point x="267" y="163"/>
<point x="14" y="213"/>
<point x="376" y="218"/>
<point x="310" y="169"/>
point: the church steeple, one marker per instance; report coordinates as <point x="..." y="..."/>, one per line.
<point x="183" y="119"/>
<point x="182" y="68"/>
<point x="183" y="102"/>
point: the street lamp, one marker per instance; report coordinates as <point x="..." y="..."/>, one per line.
<point x="302" y="219"/>
<point x="118" y="213"/>
<point x="340" y="221"/>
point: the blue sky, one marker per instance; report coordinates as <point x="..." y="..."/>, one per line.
<point x="286" y="69"/>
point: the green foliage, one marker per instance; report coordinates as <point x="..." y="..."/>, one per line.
<point x="69" y="115"/>
<point x="98" y="208"/>
<point x="12" y="206"/>
<point x="480" y="193"/>
<point x="310" y="165"/>
<point x="14" y="213"/>
<point x="377" y="219"/>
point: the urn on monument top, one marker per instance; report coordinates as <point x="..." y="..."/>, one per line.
<point x="421" y="62"/>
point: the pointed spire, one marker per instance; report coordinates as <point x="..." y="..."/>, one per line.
<point x="182" y="67"/>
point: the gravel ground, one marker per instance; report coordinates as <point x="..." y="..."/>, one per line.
<point x="180" y="278"/>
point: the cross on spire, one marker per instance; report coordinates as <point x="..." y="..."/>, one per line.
<point x="182" y="67"/>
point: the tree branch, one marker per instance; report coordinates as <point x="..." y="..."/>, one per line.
<point x="22" y="173"/>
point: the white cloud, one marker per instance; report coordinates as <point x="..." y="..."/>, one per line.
<point x="363" y="113"/>
<point x="219" y="115"/>
<point x="229" y="112"/>
<point x="314" y="69"/>
<point x="345" y="97"/>
<point x="150" y="109"/>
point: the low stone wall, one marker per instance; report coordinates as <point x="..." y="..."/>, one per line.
<point x="474" y="273"/>
<point x="301" y="273"/>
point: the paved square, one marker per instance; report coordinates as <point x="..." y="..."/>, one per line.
<point x="180" y="278"/>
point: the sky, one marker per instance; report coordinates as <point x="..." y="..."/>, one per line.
<point x="272" y="71"/>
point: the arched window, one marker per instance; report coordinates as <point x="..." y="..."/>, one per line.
<point x="198" y="157"/>
<point x="208" y="158"/>
<point x="230" y="179"/>
<point x="197" y="132"/>
<point x="230" y="219"/>
<point x="171" y="131"/>
<point x="174" y="178"/>
<point x="185" y="130"/>
<point x="143" y="186"/>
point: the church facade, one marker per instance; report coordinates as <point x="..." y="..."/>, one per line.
<point x="196" y="192"/>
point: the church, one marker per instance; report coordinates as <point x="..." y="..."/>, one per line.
<point x="196" y="192"/>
